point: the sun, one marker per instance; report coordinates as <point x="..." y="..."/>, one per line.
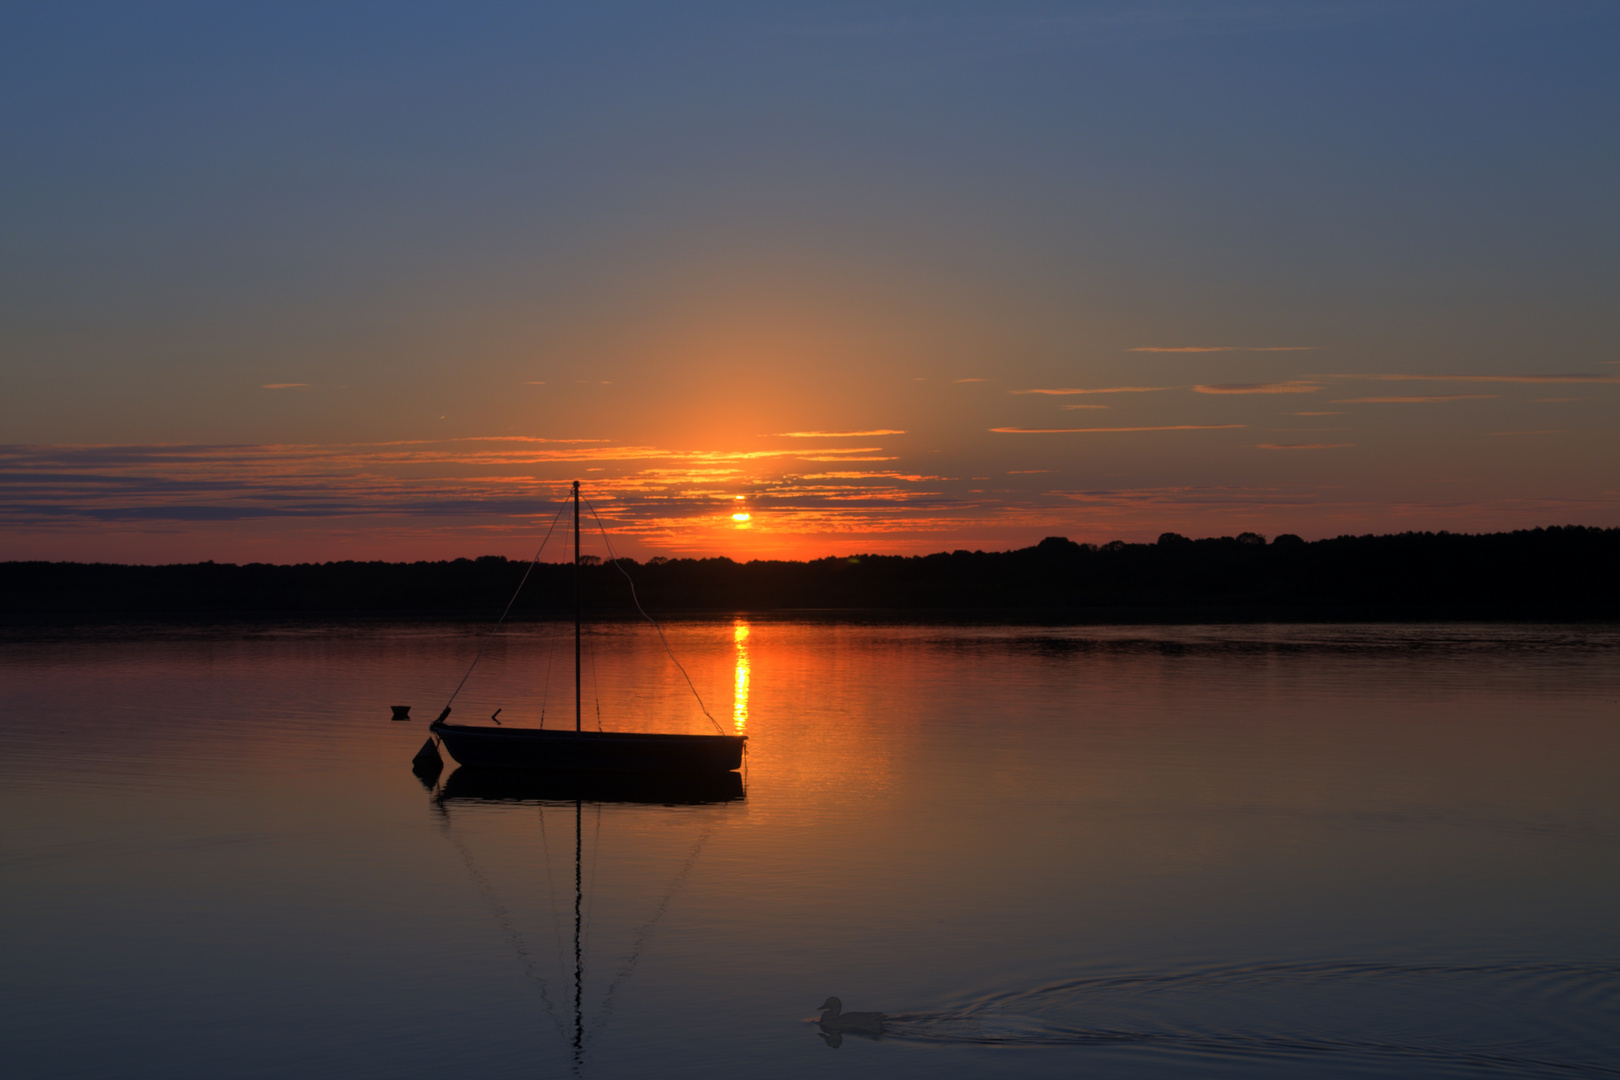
<point x="739" y="518"/>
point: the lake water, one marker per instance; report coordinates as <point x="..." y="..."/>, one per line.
<point x="1251" y="851"/>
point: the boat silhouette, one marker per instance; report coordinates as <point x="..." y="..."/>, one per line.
<point x="523" y="748"/>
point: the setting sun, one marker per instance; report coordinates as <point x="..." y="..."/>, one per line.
<point x="741" y="517"/>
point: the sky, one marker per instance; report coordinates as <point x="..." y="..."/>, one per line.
<point x="297" y="282"/>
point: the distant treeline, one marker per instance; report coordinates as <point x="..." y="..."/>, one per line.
<point x="1569" y="572"/>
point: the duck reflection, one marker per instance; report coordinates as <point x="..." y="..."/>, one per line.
<point x="469" y="784"/>
<point x="836" y="1023"/>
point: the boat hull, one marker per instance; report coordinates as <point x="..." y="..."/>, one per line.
<point x="590" y="751"/>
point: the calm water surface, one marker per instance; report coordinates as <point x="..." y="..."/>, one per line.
<point x="1122" y="851"/>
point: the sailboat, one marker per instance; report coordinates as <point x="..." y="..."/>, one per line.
<point x="568" y="751"/>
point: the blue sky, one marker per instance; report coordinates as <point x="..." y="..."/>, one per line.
<point x="682" y="231"/>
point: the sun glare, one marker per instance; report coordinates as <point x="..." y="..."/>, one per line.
<point x="741" y="517"/>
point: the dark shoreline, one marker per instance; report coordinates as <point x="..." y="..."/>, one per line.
<point x="11" y="624"/>
<point x="1561" y="574"/>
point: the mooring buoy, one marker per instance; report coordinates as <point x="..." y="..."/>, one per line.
<point x="427" y="759"/>
<point x="401" y="712"/>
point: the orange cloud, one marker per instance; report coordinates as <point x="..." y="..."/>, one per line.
<point x="849" y="459"/>
<point x="283" y="385"/>
<point x="1222" y="348"/>
<point x="1572" y="378"/>
<point x="1063" y="391"/>
<point x="1302" y="446"/>
<point x="1414" y="400"/>
<point x="836" y="434"/>
<point x="1294" y="387"/>
<point x="868" y="476"/>
<point x="1090" y="430"/>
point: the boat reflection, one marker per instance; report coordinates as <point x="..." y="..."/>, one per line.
<point x="471" y="784"/>
<point x="573" y="790"/>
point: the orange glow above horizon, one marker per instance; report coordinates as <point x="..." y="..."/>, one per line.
<point x="968" y="464"/>
<point x="776" y="294"/>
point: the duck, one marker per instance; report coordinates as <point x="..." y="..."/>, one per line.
<point x="835" y="1019"/>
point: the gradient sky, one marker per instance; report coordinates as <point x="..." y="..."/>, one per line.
<point x="312" y="281"/>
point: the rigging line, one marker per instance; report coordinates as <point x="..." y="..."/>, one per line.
<point x="600" y="528"/>
<point x="551" y="888"/>
<point x="596" y="690"/>
<point x="545" y="690"/>
<point x="504" y="612"/>
<point x="503" y="920"/>
<point x="634" y="956"/>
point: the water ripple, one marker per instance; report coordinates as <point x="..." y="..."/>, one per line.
<point x="1481" y="1017"/>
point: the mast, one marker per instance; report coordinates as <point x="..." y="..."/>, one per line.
<point x="576" y="606"/>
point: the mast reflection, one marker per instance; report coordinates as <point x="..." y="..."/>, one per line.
<point x="471" y="785"/>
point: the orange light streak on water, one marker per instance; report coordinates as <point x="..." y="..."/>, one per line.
<point x="739" y="686"/>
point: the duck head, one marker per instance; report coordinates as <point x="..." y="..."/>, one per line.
<point x="831" y="1005"/>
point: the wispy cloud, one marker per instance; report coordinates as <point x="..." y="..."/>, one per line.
<point x="1099" y="430"/>
<point x="1319" y="414"/>
<point x="535" y="382"/>
<point x="491" y="475"/>
<point x="1417" y="399"/>
<point x="1082" y="406"/>
<point x="1064" y="391"/>
<point x="1222" y="348"/>
<point x="492" y="493"/>
<point x="508" y="439"/>
<point x="283" y="385"/>
<point x="971" y="380"/>
<point x="850" y="458"/>
<point x="1551" y="432"/>
<point x="1193" y="498"/>
<point x="1577" y="377"/>
<point x="907" y="477"/>
<point x="837" y="434"/>
<point x="1293" y="387"/>
<point x="1303" y="446"/>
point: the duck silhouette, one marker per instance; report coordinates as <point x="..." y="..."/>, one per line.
<point x="836" y="1023"/>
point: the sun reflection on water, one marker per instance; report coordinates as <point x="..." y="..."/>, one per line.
<point x="739" y="691"/>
